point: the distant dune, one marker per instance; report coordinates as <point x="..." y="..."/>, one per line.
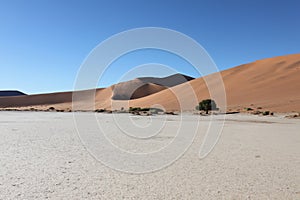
<point x="145" y="86"/>
<point x="134" y="89"/>
<point x="11" y="93"/>
<point x="61" y="100"/>
<point x="273" y="84"/>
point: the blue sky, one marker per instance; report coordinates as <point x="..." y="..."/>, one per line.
<point x="44" y="42"/>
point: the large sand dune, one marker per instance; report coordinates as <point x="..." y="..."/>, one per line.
<point x="272" y="84"/>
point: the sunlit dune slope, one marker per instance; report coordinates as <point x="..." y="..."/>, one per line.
<point x="272" y="84"/>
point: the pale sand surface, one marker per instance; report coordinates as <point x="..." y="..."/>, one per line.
<point x="41" y="157"/>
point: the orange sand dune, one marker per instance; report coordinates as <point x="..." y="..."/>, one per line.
<point x="273" y="84"/>
<point x="61" y="100"/>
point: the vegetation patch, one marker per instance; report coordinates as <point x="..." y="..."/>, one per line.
<point x="207" y="105"/>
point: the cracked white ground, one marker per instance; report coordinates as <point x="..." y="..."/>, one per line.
<point x="42" y="157"/>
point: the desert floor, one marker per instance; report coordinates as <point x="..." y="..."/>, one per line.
<point x="42" y="157"/>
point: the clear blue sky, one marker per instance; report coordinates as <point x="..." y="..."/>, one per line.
<point x="44" y="42"/>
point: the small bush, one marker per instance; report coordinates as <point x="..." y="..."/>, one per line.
<point x="170" y="113"/>
<point x="100" y="110"/>
<point x="266" y="113"/>
<point x="248" y="109"/>
<point x="257" y="112"/>
<point x="138" y="109"/>
<point x="207" y="105"/>
<point x="132" y="109"/>
<point x="51" y="108"/>
<point x="144" y="109"/>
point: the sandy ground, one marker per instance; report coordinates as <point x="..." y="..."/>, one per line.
<point x="42" y="157"/>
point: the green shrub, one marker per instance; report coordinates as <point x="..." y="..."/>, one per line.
<point x="51" y="108"/>
<point x="132" y="109"/>
<point x="100" y="110"/>
<point x="207" y="105"/>
<point x="144" y="109"/>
